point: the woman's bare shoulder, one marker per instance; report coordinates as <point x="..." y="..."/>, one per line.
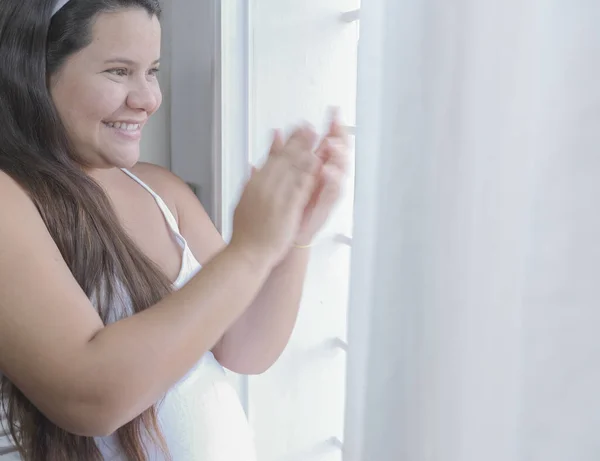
<point x="194" y="223"/>
<point x="160" y="179"/>
<point x="176" y="193"/>
<point x="13" y="195"/>
<point x="44" y="313"/>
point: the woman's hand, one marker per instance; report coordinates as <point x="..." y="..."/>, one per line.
<point x="333" y="153"/>
<point x="268" y="216"/>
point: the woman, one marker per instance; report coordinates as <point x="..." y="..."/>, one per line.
<point x="111" y="337"/>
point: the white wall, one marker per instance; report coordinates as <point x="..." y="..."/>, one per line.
<point x="182" y="135"/>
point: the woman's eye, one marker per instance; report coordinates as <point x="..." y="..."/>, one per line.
<point x="118" y="72"/>
<point x="154" y="71"/>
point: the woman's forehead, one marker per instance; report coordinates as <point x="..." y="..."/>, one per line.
<point x="132" y="34"/>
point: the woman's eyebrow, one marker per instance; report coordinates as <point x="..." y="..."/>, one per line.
<point x="126" y="61"/>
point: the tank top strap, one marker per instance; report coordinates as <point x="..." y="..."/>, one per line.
<point x="189" y="264"/>
<point x="159" y="201"/>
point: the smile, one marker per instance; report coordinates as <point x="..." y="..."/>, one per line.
<point x="123" y="126"/>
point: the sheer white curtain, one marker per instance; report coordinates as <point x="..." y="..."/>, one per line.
<point x="475" y="294"/>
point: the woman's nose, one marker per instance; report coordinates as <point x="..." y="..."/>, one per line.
<point x="143" y="97"/>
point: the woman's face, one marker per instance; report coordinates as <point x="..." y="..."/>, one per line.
<point x="106" y="92"/>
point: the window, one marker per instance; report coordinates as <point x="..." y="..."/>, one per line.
<point x="282" y="60"/>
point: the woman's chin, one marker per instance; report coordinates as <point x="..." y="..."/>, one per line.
<point x="123" y="158"/>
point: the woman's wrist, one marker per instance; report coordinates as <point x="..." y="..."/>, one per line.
<point x="254" y="257"/>
<point x="304" y="242"/>
<point x="299" y="246"/>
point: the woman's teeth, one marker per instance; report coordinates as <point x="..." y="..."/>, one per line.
<point x="124" y="126"/>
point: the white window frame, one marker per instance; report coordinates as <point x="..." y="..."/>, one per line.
<point x="233" y="122"/>
<point x="209" y="128"/>
<point x="233" y="142"/>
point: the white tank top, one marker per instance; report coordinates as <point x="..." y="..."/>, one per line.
<point x="201" y="416"/>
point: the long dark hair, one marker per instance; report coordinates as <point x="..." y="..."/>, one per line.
<point x="35" y="151"/>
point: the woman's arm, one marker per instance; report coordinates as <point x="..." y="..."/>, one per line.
<point x="254" y="342"/>
<point x="257" y="339"/>
<point x="91" y="379"/>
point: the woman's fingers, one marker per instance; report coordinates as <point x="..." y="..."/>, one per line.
<point x="277" y="145"/>
<point x="334" y="146"/>
<point x="335" y="153"/>
<point x="293" y="168"/>
<point x="336" y="129"/>
<point x="338" y="155"/>
<point x="332" y="178"/>
<point x="271" y="209"/>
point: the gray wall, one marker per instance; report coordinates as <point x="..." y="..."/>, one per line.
<point x="156" y="143"/>
<point x="181" y="135"/>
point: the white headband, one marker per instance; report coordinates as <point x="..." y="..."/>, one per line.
<point x="58" y="6"/>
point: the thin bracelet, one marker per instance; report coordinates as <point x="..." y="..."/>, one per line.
<point x="303" y="247"/>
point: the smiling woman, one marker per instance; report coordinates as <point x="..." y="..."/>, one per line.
<point x="118" y="351"/>
<point x="106" y="94"/>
